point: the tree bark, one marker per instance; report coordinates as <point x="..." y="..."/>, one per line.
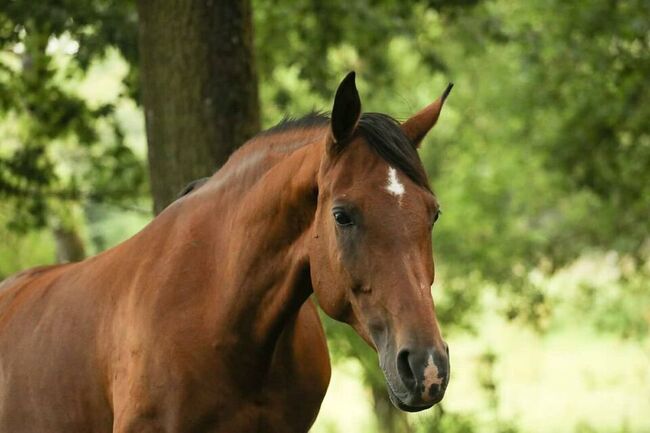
<point x="199" y="88"/>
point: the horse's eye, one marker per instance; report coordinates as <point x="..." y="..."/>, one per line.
<point x="342" y="218"/>
<point x="437" y="215"/>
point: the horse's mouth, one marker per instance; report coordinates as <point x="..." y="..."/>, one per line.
<point x="411" y="397"/>
<point x="405" y="407"/>
<point x="398" y="403"/>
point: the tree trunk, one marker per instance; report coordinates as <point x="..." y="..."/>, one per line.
<point x="199" y="88"/>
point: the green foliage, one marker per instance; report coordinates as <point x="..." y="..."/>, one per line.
<point x="608" y="292"/>
<point x="22" y="250"/>
<point x="95" y="25"/>
<point x="61" y="147"/>
<point x="628" y="312"/>
<point x="321" y="41"/>
<point x="588" y="70"/>
<point x="448" y="422"/>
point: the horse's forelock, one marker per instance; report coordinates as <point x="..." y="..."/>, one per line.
<point x="385" y="136"/>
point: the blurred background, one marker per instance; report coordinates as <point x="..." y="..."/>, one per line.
<point x="541" y="162"/>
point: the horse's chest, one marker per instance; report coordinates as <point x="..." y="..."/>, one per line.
<point x="289" y="397"/>
<point x="233" y="392"/>
<point x="277" y="406"/>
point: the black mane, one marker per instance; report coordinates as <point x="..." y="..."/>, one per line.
<point x="382" y="132"/>
<point x="313" y="119"/>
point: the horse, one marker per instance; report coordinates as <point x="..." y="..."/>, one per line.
<point x="204" y="321"/>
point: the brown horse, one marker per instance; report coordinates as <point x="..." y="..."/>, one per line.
<point x="202" y="322"/>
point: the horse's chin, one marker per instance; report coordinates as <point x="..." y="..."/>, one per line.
<point x="406" y="407"/>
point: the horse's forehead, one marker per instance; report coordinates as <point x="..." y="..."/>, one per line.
<point x="388" y="190"/>
<point x="359" y="160"/>
<point x="366" y="176"/>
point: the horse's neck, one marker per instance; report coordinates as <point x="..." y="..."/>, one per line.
<point x="267" y="268"/>
<point x="242" y="254"/>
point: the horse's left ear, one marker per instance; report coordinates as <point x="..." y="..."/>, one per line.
<point x="345" y="114"/>
<point x="417" y="126"/>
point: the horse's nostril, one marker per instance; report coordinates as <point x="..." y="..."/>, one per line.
<point x="404" y="369"/>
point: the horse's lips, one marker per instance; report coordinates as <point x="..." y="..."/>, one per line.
<point x="398" y="403"/>
<point x="403" y="406"/>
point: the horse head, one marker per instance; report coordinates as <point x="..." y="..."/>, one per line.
<point x="371" y="259"/>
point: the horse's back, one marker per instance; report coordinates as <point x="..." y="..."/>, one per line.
<point x="47" y="357"/>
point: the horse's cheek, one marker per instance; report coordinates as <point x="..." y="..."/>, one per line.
<point x="331" y="298"/>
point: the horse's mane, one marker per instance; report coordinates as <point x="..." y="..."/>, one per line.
<point x="382" y="133"/>
<point x="310" y="120"/>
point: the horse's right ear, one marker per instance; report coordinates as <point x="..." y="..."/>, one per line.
<point x="345" y="114"/>
<point x="417" y="126"/>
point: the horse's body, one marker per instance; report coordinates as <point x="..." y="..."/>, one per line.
<point x="201" y="322"/>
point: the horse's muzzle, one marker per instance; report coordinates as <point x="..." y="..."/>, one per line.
<point x="423" y="375"/>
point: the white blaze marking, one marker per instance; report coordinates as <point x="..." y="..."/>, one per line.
<point x="430" y="377"/>
<point x="394" y="186"/>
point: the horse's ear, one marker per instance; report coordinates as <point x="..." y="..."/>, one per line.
<point x="345" y="114"/>
<point x="417" y="126"/>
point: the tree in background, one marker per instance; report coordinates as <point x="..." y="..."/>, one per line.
<point x="199" y="88"/>
<point x="594" y="71"/>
